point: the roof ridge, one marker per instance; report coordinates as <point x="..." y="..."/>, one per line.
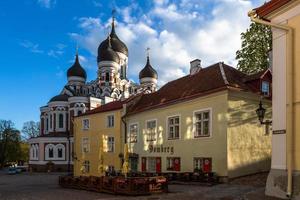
<point x="223" y="73"/>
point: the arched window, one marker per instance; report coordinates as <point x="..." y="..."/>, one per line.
<point x="36" y="151"/>
<point x="60" y="151"/>
<point x="107" y="76"/>
<point x="60" y="120"/>
<point x="47" y="124"/>
<point x="79" y="112"/>
<point x="50" y="153"/>
<point x="51" y="121"/>
<point x="32" y="152"/>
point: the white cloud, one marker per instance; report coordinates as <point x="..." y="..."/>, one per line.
<point x="46" y="3"/>
<point x="176" y="33"/>
<point x="33" y="47"/>
<point x="57" y="51"/>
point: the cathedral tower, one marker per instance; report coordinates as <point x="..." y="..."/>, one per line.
<point x="148" y="77"/>
<point x="112" y="66"/>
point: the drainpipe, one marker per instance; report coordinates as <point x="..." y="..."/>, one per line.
<point x="290" y="116"/>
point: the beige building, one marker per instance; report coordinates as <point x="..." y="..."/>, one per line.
<point x="98" y="140"/>
<point x="284" y="18"/>
<point x="205" y="120"/>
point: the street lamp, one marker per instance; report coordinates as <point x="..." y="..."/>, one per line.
<point x="260" y="111"/>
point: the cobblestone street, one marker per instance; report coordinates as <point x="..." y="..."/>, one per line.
<point x="45" y="187"/>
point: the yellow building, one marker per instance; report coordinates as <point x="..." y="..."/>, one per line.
<point x="98" y="140"/>
<point x="284" y="18"/>
<point x="205" y="120"/>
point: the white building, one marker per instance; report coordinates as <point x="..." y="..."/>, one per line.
<point x="52" y="150"/>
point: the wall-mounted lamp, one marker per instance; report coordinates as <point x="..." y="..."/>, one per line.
<point x="260" y="111"/>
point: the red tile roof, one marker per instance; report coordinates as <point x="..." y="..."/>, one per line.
<point x="270" y="6"/>
<point x="256" y="76"/>
<point x="115" y="105"/>
<point x="211" y="79"/>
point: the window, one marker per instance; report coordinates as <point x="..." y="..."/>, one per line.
<point x="51" y="121"/>
<point x="86" y="166"/>
<point x="47" y="125"/>
<point x="110" y="144"/>
<point x="110" y="121"/>
<point x="60" y="121"/>
<point x="265" y="88"/>
<point x="202" y="124"/>
<point x="107" y="76"/>
<point x="151" y="164"/>
<point x="110" y="168"/>
<point x="173" y="164"/>
<point x="202" y="164"/>
<point x="151" y="130"/>
<point x="59" y="153"/>
<point x="50" y="153"/>
<point x="133" y="133"/>
<point x="86" y="124"/>
<point x="85" y="145"/>
<point x="173" y="127"/>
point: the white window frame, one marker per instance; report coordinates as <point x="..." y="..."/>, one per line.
<point x="155" y="130"/>
<point x="210" y="123"/>
<point x="82" y="145"/>
<point x="34" y="152"/>
<point x="107" y="121"/>
<point x="167" y="127"/>
<point x="63" y="148"/>
<point x="169" y="160"/>
<point x="87" y="165"/>
<point x="263" y="93"/>
<point x="47" y="148"/>
<point x="148" y="164"/>
<point x="137" y="132"/>
<point x="108" y="144"/>
<point x="83" y="124"/>
<point x="202" y="160"/>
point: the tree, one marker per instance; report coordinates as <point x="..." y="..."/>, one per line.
<point x="31" y="129"/>
<point x="10" y="139"/>
<point x="256" y="44"/>
<point x="24" y="155"/>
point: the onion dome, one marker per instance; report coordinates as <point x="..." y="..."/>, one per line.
<point x="76" y="69"/>
<point x="148" y="71"/>
<point x="108" y="54"/>
<point x="60" y="97"/>
<point x="116" y="44"/>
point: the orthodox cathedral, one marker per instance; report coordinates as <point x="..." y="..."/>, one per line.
<point x="52" y="150"/>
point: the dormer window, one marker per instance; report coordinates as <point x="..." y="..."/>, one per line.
<point x="265" y="88"/>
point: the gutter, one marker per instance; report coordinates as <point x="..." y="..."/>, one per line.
<point x="290" y="115"/>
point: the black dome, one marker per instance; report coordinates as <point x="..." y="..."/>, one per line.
<point x="116" y="44"/>
<point x="148" y="71"/>
<point x="60" y="97"/>
<point x="108" y="54"/>
<point x="76" y="69"/>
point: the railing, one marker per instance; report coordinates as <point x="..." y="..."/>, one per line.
<point x="116" y="185"/>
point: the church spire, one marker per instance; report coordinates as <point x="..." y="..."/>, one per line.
<point x="113" y="13"/>
<point x="148" y="55"/>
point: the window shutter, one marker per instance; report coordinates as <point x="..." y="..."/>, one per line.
<point x="176" y="164"/>
<point x="158" y="165"/>
<point x="207" y="165"/>
<point x="144" y="162"/>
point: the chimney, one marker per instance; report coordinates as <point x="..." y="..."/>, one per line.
<point x="195" y="66"/>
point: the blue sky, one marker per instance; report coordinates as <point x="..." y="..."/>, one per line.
<point x="38" y="41"/>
